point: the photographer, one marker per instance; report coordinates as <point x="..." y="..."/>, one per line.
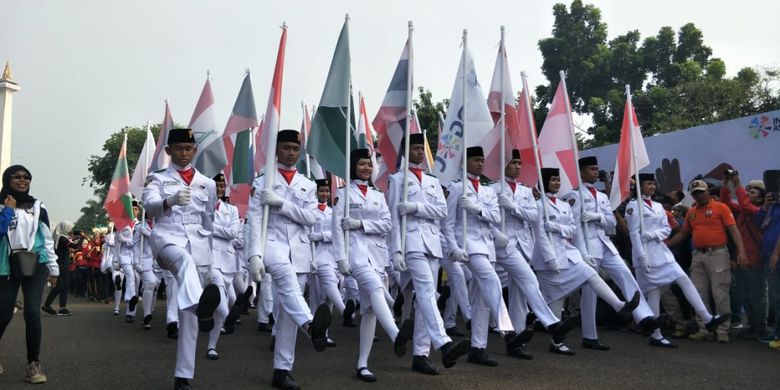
<point x="749" y="280"/>
<point x="768" y="220"/>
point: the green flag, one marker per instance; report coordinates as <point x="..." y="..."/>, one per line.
<point x="327" y="141"/>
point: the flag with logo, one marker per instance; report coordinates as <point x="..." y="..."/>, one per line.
<point x="119" y="201"/>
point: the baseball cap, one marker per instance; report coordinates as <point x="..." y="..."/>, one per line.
<point x="756" y="184"/>
<point x="697" y="185"/>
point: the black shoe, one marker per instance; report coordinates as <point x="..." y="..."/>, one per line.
<point x="349" y="310"/>
<point x="716" y="321"/>
<point x="481" y="357"/>
<point x="519" y="353"/>
<point x="330" y="342"/>
<point x="181" y="384"/>
<point x="283" y="380"/>
<point x="515" y="340"/>
<point x="208" y="302"/>
<point x="450" y="352"/>
<point x="271" y="320"/>
<point x="173" y="330"/>
<point x="212" y="354"/>
<point x="129" y="319"/>
<point x="647" y="326"/>
<point x="454" y="332"/>
<point x="468" y="325"/>
<point x="441" y="303"/>
<point x="64" y="312"/>
<point x="242" y="303"/>
<point x="365" y="375"/>
<point x="318" y="328"/>
<point x="423" y="364"/>
<point x="560" y="329"/>
<point x="561" y="349"/>
<point x="49" y="310"/>
<point x="263" y="327"/>
<point x="148" y="321"/>
<point x="594" y="344"/>
<point x="628" y="308"/>
<point x="405" y="333"/>
<point x="398" y="305"/>
<point x="133" y="302"/>
<point x="662" y="343"/>
<point x="230" y="321"/>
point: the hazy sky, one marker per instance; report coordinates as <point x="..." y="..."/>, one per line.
<point x="87" y="68"/>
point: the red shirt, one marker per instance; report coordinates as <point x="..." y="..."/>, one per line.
<point x="744" y="213"/>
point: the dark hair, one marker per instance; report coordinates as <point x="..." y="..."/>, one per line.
<point x="23" y="199"/>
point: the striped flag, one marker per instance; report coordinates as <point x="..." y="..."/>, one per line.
<point x="415" y="128"/>
<point x="143" y="165"/>
<point x="160" y="159"/>
<point x="270" y="124"/>
<point x="624" y="166"/>
<point x="556" y="141"/>
<point x="211" y="157"/>
<point x="365" y="139"/>
<point x="390" y="120"/>
<point x="502" y="84"/>
<point x="236" y="135"/>
<point x="119" y="201"/>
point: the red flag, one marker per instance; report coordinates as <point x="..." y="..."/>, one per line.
<point x="524" y="142"/>
<point x="270" y="123"/>
<point x="119" y="202"/>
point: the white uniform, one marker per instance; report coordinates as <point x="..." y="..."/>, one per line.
<point x="227" y="228"/>
<point x="126" y="260"/>
<point x="151" y="274"/>
<point x="604" y="255"/>
<point x="486" y="298"/>
<point x="287" y="256"/>
<point x="423" y="251"/>
<point x="514" y="258"/>
<point x="181" y="242"/>
<point x="327" y="274"/>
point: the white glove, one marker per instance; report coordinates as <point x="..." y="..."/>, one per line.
<point x="406" y="208"/>
<point x="116" y="266"/>
<point x="182" y="197"/>
<point x="269" y="197"/>
<point x="138" y="268"/>
<point x="552" y="227"/>
<point x="399" y="262"/>
<point x="646" y="236"/>
<point x="313" y="267"/>
<point x="459" y="255"/>
<point x="256" y="268"/>
<point x="589" y="259"/>
<point x="554" y="266"/>
<point x="469" y="205"/>
<point x="591" y="217"/>
<point x="505" y="202"/>
<point x="315" y="237"/>
<point x="344" y="267"/>
<point x="500" y="240"/>
<point x="643" y="262"/>
<point x="348" y="223"/>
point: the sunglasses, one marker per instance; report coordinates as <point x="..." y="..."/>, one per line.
<point x="22" y="177"/>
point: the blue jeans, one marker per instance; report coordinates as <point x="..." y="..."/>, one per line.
<point x="32" y="289"/>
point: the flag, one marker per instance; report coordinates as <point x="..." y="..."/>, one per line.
<point x="556" y="142"/>
<point x="415" y="128"/>
<point x="365" y="139"/>
<point x="142" y="167"/>
<point x="624" y="166"/>
<point x="390" y="120"/>
<point x="328" y="129"/>
<point x="211" y="157"/>
<point x="160" y="159"/>
<point x="119" y="202"/>
<point x="313" y="170"/>
<point x="242" y="118"/>
<point x="270" y="124"/>
<point x="258" y="141"/>
<point x="502" y="85"/>
<point x="529" y="172"/>
<point x="479" y="125"/>
<point x="243" y="172"/>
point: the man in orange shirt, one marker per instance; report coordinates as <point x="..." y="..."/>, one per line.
<point x="710" y="223"/>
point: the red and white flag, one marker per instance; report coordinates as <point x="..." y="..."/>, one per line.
<point x="626" y="157"/>
<point x="270" y="124"/>
<point x="529" y="172"/>
<point x="365" y="138"/>
<point x="495" y="102"/>
<point x="556" y="141"/>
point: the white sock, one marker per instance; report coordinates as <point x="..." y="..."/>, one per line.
<point x="367" y="329"/>
<point x="693" y="297"/>
<point x="604" y="292"/>
<point x="382" y="313"/>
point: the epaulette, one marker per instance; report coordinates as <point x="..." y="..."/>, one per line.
<point x="261" y="175"/>
<point x="161" y="170"/>
<point x="430" y="174"/>
<point x="455" y="181"/>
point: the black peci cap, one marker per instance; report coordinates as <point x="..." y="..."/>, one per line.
<point x="588" y="161"/>
<point x="475" y="151"/>
<point x="177" y="136"/>
<point x="288" y="135"/>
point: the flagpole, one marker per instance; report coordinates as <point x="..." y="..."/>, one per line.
<point x="636" y="172"/>
<point x="584" y="225"/>
<point x="531" y="127"/>
<point x="347" y="151"/>
<point x="143" y="209"/>
<point x="465" y="144"/>
<point x="405" y="166"/>
<point x="305" y="136"/>
<point x="428" y="163"/>
<point x="501" y="118"/>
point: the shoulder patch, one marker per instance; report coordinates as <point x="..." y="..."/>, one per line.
<point x="149" y="179"/>
<point x="629" y="211"/>
<point x="572" y="201"/>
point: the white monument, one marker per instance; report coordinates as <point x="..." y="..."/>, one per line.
<point x="7" y="89"/>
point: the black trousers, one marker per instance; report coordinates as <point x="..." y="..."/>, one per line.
<point x="32" y="289"/>
<point x="61" y="290"/>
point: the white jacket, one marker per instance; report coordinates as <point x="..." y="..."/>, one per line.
<point x="520" y="219"/>
<point x="227" y="228"/>
<point x="558" y="247"/>
<point x="480" y="237"/>
<point x="422" y="228"/>
<point x="656" y="224"/>
<point x="367" y="246"/>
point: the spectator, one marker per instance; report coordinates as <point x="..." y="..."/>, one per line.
<point x="709" y="223"/>
<point x="768" y="219"/>
<point x="62" y="246"/>
<point x="27" y="260"/>
<point x="749" y="278"/>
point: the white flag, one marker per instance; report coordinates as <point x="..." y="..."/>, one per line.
<point x="143" y="165"/>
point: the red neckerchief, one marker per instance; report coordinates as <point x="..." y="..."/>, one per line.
<point x="363" y="188"/>
<point x="649" y="202"/>
<point x="322" y="206"/>
<point x="512" y="185"/>
<point x="288" y="174"/>
<point x="417" y="172"/>
<point x="552" y="198"/>
<point x="592" y="191"/>
<point x="475" y="183"/>
<point x="218" y="203"/>
<point x="187" y="175"/>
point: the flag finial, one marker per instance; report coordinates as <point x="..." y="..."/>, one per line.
<point x="411" y="25"/>
<point x="346" y="17"/>
<point x="247" y="71"/>
<point x="284" y="25"/>
<point x="208" y="75"/>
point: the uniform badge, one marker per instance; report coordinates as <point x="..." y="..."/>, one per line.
<point x="553" y="217"/>
<point x="629" y="211"/>
<point x="356" y="205"/>
<point x="571" y="202"/>
<point x="170" y="183"/>
<point x="252" y="192"/>
<point x="148" y="181"/>
<point x="587" y="200"/>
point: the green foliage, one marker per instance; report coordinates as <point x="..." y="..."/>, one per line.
<point x="91" y="215"/>
<point x="674" y="80"/>
<point x="428" y="115"/>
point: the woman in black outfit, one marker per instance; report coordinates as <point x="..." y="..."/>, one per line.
<point x="62" y="244"/>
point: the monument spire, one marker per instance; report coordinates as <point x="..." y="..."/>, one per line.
<point x="7" y="75"/>
<point x="7" y="88"/>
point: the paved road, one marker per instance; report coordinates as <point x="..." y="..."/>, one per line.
<point x="95" y="350"/>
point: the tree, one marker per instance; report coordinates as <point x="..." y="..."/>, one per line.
<point x="675" y="81"/>
<point x="428" y="115"/>
<point x="91" y="215"/>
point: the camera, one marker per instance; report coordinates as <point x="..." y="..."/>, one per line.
<point x="602" y="175"/>
<point x="729" y="173"/>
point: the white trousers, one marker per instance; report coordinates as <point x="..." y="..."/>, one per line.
<point x="131" y="285"/>
<point x="291" y="311"/>
<point x="486" y="300"/>
<point x="151" y="279"/>
<point x="458" y="276"/>
<point x="524" y="291"/>
<point x="265" y="301"/>
<point x="428" y="324"/>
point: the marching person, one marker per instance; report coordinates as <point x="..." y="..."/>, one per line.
<point x="654" y="263"/>
<point x="149" y="270"/>
<point x="62" y="246"/>
<point x="557" y="261"/>
<point x="182" y="201"/>
<point x="27" y="261"/>
<point x="594" y="212"/>
<point x="481" y="208"/>
<point x="368" y="223"/>
<point x="513" y="254"/>
<point x="291" y="205"/>
<point x="111" y="262"/>
<point x="126" y="260"/>
<point x="425" y="207"/>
